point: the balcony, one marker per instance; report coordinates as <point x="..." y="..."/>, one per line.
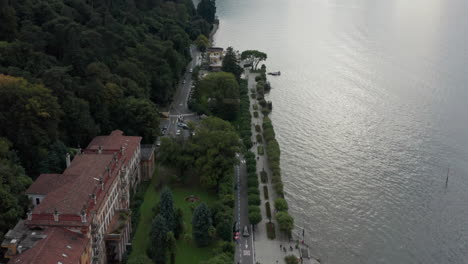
<point x="118" y="224"/>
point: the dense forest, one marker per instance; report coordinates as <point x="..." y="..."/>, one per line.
<point x="74" y="69"/>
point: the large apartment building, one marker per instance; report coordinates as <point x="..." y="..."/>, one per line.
<point x="82" y="215"/>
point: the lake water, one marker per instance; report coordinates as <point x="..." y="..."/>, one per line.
<point x="370" y="113"/>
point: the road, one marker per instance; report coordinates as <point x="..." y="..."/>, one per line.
<point x="244" y="246"/>
<point x="179" y="103"/>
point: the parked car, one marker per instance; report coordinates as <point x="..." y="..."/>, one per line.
<point x="236" y="226"/>
<point x="191" y="70"/>
<point x="246" y="231"/>
<point x="178" y="132"/>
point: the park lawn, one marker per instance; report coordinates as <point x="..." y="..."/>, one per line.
<point x="141" y="239"/>
<point x="187" y="252"/>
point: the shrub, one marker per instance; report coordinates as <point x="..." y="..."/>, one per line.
<point x="264" y="176"/>
<point x="254" y="199"/>
<point x="258" y="78"/>
<point x="265" y="192"/>
<point x="281" y="205"/>
<point x="253" y="96"/>
<point x="255" y="106"/>
<point x="255" y="114"/>
<point x="285" y="222"/>
<point x="291" y="259"/>
<point x="279" y="189"/>
<point x="260" y="150"/>
<point x="266" y="111"/>
<point x="259" y="138"/>
<point x="258" y="128"/>
<point x="268" y="210"/>
<point x="270" y="230"/>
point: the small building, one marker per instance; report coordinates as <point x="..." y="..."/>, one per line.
<point x="215" y="58"/>
<point x="147" y="161"/>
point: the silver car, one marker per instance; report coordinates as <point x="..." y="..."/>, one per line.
<point x="246" y="231"/>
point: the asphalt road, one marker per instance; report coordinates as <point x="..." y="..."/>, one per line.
<point x="179" y="104"/>
<point x="244" y="251"/>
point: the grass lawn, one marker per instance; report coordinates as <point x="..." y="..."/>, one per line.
<point x="187" y="252"/>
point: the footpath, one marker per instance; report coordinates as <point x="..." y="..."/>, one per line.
<point x="269" y="251"/>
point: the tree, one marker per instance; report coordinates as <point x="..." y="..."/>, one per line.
<point x="218" y="94"/>
<point x="29" y="115"/>
<point x="253" y="57"/>
<point x="13" y="183"/>
<point x="171" y="246"/>
<point x="166" y="208"/>
<point x="202" y="42"/>
<point x="207" y="10"/>
<point x="224" y="229"/>
<point x="55" y="160"/>
<point x="254" y="214"/>
<point x="201" y="224"/>
<point x="231" y="64"/>
<point x="138" y="117"/>
<point x="214" y="147"/>
<point x="176" y="154"/>
<point x="281" y="204"/>
<point x="158" y="237"/>
<point x="285" y="221"/>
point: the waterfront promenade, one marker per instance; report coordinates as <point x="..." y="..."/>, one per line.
<point x="268" y="251"/>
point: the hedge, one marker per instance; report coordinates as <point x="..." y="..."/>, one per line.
<point x="271" y="230"/>
<point x="258" y="128"/>
<point x="268" y="210"/>
<point x="265" y="192"/>
<point x="260" y="150"/>
<point x="255" y="114"/>
<point x="264" y="176"/>
<point x="259" y="138"/>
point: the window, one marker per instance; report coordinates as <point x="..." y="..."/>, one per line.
<point x="38" y="201"/>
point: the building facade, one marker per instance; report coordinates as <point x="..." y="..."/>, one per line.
<point x="82" y="215"/>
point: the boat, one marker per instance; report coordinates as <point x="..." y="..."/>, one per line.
<point x="278" y="73"/>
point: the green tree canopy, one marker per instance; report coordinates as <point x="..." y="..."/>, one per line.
<point x="231" y="64"/>
<point x="166" y="208"/>
<point x="202" y="42"/>
<point x="207" y="10"/>
<point x="13" y="183"/>
<point x="285" y="222"/>
<point x="281" y="204"/>
<point x="218" y="94"/>
<point x="138" y="117"/>
<point x="29" y="115"/>
<point x="201" y="224"/>
<point x="214" y="146"/>
<point x="158" y="237"/>
<point x="253" y="57"/>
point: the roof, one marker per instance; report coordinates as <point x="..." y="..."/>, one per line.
<point x="46" y="183"/>
<point x="147" y="151"/>
<point x="72" y="197"/>
<point x="59" y="246"/>
<point x="214" y="49"/>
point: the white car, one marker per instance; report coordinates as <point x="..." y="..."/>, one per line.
<point x="190" y="71"/>
<point x="178" y="132"/>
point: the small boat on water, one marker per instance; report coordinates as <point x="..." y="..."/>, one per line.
<point x="278" y="73"/>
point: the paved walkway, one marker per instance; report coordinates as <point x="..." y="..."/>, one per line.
<point x="268" y="251"/>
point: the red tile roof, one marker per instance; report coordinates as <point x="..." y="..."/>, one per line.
<point x="60" y="245"/>
<point x="72" y="197"/>
<point x="47" y="183"/>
